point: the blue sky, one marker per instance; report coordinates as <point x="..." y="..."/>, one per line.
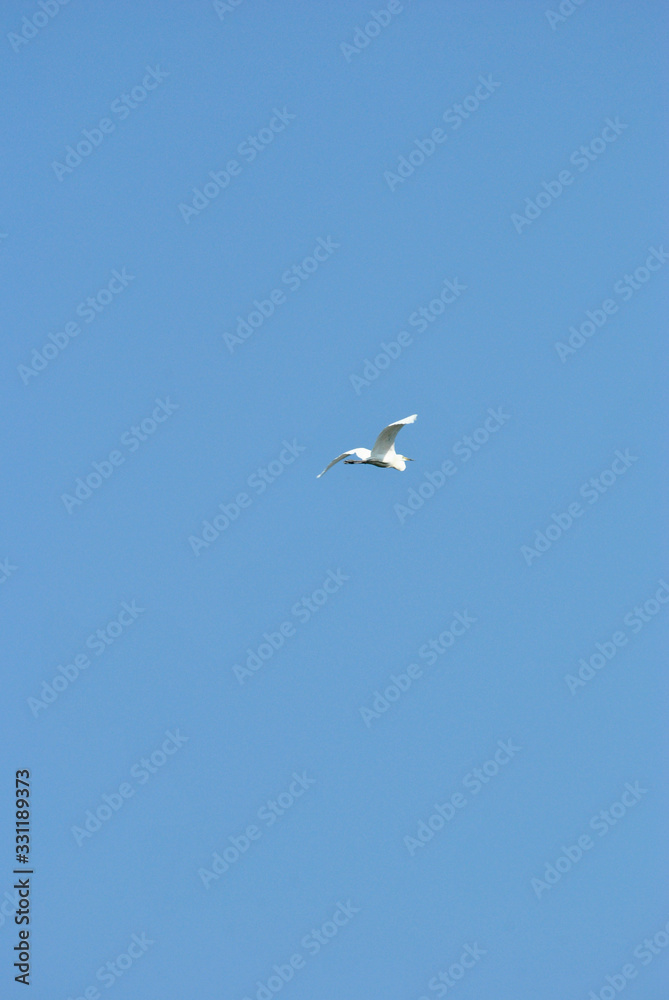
<point x="335" y="737"/>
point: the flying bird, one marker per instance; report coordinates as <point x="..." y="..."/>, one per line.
<point x="383" y="453"/>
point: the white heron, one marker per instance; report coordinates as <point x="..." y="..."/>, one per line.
<point x="383" y="453"/>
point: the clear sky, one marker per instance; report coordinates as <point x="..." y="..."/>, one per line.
<point x="336" y="737"/>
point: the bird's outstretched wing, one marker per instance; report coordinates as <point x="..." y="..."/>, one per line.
<point x="386" y="439"/>
<point x="360" y="452"/>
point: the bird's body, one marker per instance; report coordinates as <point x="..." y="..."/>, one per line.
<point x="383" y="453"/>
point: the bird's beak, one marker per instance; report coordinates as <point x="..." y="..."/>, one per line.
<point x="407" y="459"/>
